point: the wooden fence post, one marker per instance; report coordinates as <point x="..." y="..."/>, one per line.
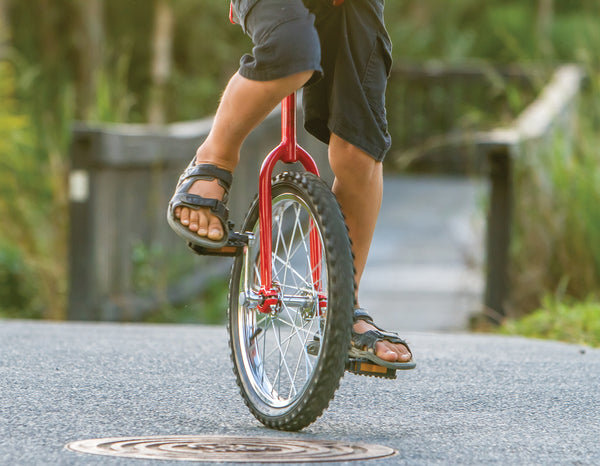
<point x="499" y="225"/>
<point x="82" y="294"/>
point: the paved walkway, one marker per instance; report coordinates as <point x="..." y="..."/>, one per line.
<point x="473" y="399"/>
<point x="425" y="267"/>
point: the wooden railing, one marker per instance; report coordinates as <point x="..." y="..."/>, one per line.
<point x="123" y="177"/>
<point x="552" y="114"/>
<point x="547" y="113"/>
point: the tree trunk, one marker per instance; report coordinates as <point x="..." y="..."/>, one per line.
<point x="4" y="31"/>
<point x="545" y="16"/>
<point x="90" y="54"/>
<point x="161" y="61"/>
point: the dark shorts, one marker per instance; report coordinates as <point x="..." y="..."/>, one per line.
<point x="348" y="48"/>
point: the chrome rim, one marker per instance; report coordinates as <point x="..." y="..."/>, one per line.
<point x="280" y="350"/>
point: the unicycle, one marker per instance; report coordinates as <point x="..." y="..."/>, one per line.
<point x="291" y="293"/>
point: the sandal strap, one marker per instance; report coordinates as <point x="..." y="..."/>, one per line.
<point x="362" y="314"/>
<point x="203" y="171"/>
<point x="207" y="171"/>
<point x="371" y="337"/>
<point x="193" y="201"/>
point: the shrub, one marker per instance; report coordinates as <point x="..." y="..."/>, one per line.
<point x="572" y="322"/>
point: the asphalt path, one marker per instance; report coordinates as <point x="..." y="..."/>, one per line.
<point x="473" y="399"/>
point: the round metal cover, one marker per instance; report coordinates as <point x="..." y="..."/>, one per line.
<point x="231" y="449"/>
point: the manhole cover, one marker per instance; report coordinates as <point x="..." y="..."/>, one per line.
<point x="231" y="449"/>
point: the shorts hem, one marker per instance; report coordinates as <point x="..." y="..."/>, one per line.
<point x="278" y="72"/>
<point x="373" y="150"/>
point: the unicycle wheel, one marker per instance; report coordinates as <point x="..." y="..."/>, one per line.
<point x="289" y="359"/>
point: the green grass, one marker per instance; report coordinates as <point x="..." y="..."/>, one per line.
<point x="571" y="322"/>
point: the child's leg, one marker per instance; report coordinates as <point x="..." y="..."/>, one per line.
<point x="358" y="186"/>
<point x="347" y="110"/>
<point x="285" y="55"/>
<point x="245" y="103"/>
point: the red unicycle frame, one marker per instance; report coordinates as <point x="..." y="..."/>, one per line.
<point x="288" y="151"/>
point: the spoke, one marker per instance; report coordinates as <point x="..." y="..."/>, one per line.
<point x="295" y="273"/>
<point x="291" y="325"/>
<point x="302" y="334"/>
<point x="290" y="251"/>
<point x="278" y="219"/>
<point x="309" y="366"/>
<point x="282" y="354"/>
<point x="302" y="353"/>
<point x="287" y="340"/>
<point x="294" y="229"/>
<point x="286" y="263"/>
<point x="279" y="241"/>
<point x="308" y="280"/>
<point x="302" y="242"/>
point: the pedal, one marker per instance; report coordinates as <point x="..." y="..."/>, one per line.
<point x="366" y="367"/>
<point x="235" y="246"/>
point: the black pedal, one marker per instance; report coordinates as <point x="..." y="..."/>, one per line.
<point x="366" y="367"/>
<point x="235" y="246"/>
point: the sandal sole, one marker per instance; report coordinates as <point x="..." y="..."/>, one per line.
<point x="361" y="354"/>
<point x="188" y="235"/>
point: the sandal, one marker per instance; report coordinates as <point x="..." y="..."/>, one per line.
<point x="363" y="344"/>
<point x="182" y="198"/>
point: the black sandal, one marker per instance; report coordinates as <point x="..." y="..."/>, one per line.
<point x="363" y="344"/>
<point x="182" y="198"/>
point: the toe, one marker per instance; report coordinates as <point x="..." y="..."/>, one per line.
<point x="215" y="230"/>
<point x="384" y="352"/>
<point x="184" y="216"/>
<point x="202" y="228"/>
<point x="195" y="221"/>
<point x="401" y="351"/>
<point x="393" y="352"/>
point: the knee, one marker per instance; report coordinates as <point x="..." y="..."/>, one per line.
<point x="351" y="164"/>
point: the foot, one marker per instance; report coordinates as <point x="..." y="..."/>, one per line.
<point x="202" y="221"/>
<point x="384" y="349"/>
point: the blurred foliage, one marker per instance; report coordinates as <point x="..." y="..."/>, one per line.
<point x="569" y="321"/>
<point x="15" y="292"/>
<point x="509" y="31"/>
<point x="33" y="205"/>
<point x="209" y="308"/>
<point x="557" y="229"/>
<point x="63" y="62"/>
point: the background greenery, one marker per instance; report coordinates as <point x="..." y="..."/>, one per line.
<point x="62" y="60"/>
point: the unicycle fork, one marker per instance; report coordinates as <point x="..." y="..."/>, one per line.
<point x="288" y="151"/>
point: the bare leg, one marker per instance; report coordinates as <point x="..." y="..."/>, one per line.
<point x="245" y="103"/>
<point x="358" y="187"/>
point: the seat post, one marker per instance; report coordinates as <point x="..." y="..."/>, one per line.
<point x="288" y="128"/>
